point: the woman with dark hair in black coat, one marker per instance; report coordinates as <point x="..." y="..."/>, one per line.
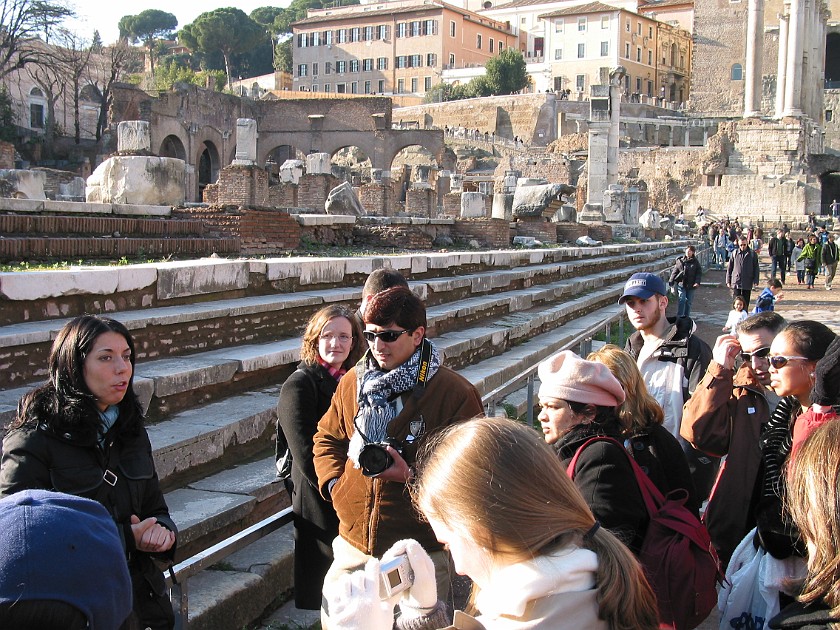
<point x="82" y="433"/>
<point x="331" y="346"/>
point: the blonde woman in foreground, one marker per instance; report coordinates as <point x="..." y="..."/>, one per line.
<point x="813" y="497"/>
<point x="499" y="498"/>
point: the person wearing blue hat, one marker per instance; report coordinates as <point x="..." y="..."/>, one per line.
<point x="672" y="360"/>
<point x="62" y="565"/>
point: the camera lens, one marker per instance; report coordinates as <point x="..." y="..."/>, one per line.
<point x="374" y="459"/>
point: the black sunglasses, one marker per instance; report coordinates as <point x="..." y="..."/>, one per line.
<point x="780" y="361"/>
<point x="761" y="353"/>
<point x="388" y="336"/>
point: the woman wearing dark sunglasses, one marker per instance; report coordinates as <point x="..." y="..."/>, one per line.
<point x="793" y="358"/>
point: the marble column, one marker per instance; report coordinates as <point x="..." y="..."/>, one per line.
<point x="755" y="53"/>
<point x="793" y="80"/>
<point x="782" y="65"/>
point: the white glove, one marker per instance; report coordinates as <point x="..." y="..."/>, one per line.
<point x="422" y="596"/>
<point x="353" y="601"/>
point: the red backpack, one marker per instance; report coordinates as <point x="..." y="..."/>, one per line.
<point x="677" y="554"/>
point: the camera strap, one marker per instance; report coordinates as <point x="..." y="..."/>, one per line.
<point x="423" y="371"/>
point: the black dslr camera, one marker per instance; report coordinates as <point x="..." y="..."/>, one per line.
<point x="374" y="459"/>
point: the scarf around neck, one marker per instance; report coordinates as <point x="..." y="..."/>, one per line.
<point x="378" y="394"/>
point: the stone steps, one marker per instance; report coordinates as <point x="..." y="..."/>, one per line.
<point x="491" y="315"/>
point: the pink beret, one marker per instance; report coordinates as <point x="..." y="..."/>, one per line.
<point x="565" y="376"/>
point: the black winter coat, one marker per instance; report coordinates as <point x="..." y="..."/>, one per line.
<point x="304" y="398"/>
<point x="686" y="271"/>
<point x="37" y="458"/>
<point x="606" y="480"/>
<point x="797" y="616"/>
<point x="661" y="457"/>
<point x="742" y="272"/>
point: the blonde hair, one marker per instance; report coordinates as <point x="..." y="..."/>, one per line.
<point x="639" y="408"/>
<point x="472" y="477"/>
<point x="813" y="500"/>
<point x="316" y="323"/>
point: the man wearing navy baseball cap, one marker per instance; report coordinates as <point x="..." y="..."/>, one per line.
<point x="672" y="361"/>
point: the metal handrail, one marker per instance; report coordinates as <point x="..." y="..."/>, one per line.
<point x="183" y="571"/>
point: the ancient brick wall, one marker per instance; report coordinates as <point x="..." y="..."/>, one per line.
<point x="284" y="195"/>
<point x="397" y="236"/>
<point x="420" y="202"/>
<point x="239" y="185"/>
<point x="313" y="191"/>
<point x="489" y="232"/>
<point x="13" y="224"/>
<point x="452" y="205"/>
<point x="377" y="199"/>
<point x="7" y="155"/>
<point x="537" y="227"/>
<point x="268" y="232"/>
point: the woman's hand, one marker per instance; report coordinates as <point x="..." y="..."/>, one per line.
<point x="151" y="537"/>
<point x="422" y="595"/>
<point x="399" y="471"/>
<point x="353" y="601"/>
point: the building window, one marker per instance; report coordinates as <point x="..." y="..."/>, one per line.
<point x="427" y="83"/>
<point x="383" y="31"/>
<point x="415" y="61"/>
<point x="36" y="116"/>
<point x="414" y="85"/>
<point x="737" y="73"/>
<point x="605" y="21"/>
<point x="650" y="57"/>
<point x="638" y="54"/>
<point x="327" y="88"/>
<point x="302" y="88"/>
<point x="381" y="86"/>
<point x="478" y="41"/>
<point x="315" y="69"/>
<point x="400" y="86"/>
<point x="367" y="65"/>
<point x="401" y="29"/>
<point x="581" y="51"/>
<point x="367" y="87"/>
<point x="558" y="54"/>
<point x="355" y="34"/>
<point x="627" y="25"/>
<point x="328" y="67"/>
<point x="558" y="26"/>
<point x="328" y="38"/>
<point x="605" y="49"/>
<point x="341" y="35"/>
<point x="451" y="60"/>
<point x="368" y="34"/>
<point x="627" y="50"/>
<point x="580" y="82"/>
<point x="650" y="88"/>
<point x="491" y="45"/>
<point x="639" y="28"/>
<point x="302" y="68"/>
<point x="314" y="87"/>
<point x="650" y="32"/>
<point x="340" y="67"/>
<point x="501" y="46"/>
<point x="524" y="21"/>
<point x="316" y="39"/>
<point x="341" y="88"/>
<point x="639" y="84"/>
<point x="431" y="60"/>
<point x="430" y="27"/>
<point x="354" y="87"/>
<point x="401" y="61"/>
<point x="829" y="115"/>
<point x="581" y="23"/>
<point x="416" y="29"/>
<point x="354" y="65"/>
<point x="451" y="28"/>
<point x="382" y="63"/>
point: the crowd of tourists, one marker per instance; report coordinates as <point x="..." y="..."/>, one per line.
<point x="397" y="478"/>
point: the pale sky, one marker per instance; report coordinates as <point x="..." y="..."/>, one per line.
<point x="104" y="15"/>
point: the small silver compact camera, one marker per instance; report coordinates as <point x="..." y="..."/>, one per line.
<point x="396" y="576"/>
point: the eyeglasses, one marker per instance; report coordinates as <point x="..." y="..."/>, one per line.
<point x="761" y="353"/>
<point x="780" y="361"/>
<point x="342" y="339"/>
<point x="388" y="336"/>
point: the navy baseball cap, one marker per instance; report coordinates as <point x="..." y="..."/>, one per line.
<point x="643" y="285"/>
